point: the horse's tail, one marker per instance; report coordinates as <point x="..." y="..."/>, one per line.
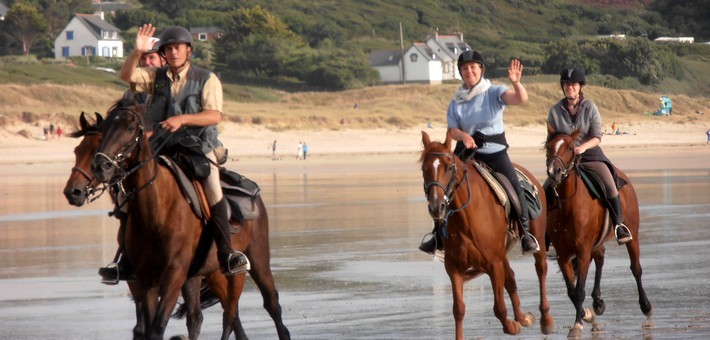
<point x="207" y="300"/>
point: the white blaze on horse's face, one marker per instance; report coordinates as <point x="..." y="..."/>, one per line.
<point x="436" y="164"/>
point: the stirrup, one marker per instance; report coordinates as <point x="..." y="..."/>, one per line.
<point x="624" y="240"/>
<point x="533" y="250"/>
<point x="429" y="244"/>
<point x="107" y="274"/>
<point x="238" y="270"/>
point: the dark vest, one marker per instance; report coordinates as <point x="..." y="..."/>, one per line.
<point x="188" y="101"/>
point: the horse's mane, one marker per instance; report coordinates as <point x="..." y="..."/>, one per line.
<point x="81" y="133"/>
<point x="128" y="102"/>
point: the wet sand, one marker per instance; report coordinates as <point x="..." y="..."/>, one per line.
<point x="344" y="237"/>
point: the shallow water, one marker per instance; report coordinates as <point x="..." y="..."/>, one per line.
<point x="345" y="260"/>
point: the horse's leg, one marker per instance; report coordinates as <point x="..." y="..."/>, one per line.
<point x="459" y="307"/>
<point x="171" y="282"/>
<point x="497" y="274"/>
<point x="230" y="314"/>
<point x="138" y="296"/>
<point x="150" y="303"/>
<point x="547" y="322"/>
<point x="634" y="256"/>
<point x="191" y="295"/>
<point x="579" y="294"/>
<point x="260" y="272"/>
<point x="598" y="302"/>
<point x="525" y="319"/>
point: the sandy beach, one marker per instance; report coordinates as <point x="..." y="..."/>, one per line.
<point x="655" y="145"/>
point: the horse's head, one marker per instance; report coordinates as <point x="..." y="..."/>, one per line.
<point x="560" y="157"/>
<point x="122" y="138"/>
<point x="439" y="171"/>
<point x="81" y="185"/>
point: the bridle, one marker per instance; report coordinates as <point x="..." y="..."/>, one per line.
<point x="92" y="190"/>
<point x="451" y="188"/>
<point x="566" y="167"/>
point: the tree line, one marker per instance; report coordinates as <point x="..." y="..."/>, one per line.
<point x="298" y="47"/>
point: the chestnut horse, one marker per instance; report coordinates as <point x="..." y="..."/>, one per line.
<point x="251" y="235"/>
<point x="577" y="227"/>
<point x="174" y="233"/>
<point x="477" y="241"/>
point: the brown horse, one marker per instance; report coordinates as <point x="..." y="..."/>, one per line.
<point x="477" y="241"/>
<point x="251" y="235"/>
<point x="159" y="273"/>
<point x="577" y="227"/>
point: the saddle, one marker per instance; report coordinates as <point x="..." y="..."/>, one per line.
<point x="507" y="197"/>
<point x="240" y="192"/>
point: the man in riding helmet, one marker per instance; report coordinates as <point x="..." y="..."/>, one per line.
<point x="576" y="112"/>
<point x="475" y="119"/>
<point x="190" y="110"/>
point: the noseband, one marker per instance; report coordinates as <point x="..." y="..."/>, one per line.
<point x="91" y="189"/>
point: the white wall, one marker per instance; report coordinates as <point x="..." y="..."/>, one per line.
<point x="83" y="37"/>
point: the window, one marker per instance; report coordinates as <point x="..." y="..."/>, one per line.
<point x="70" y="35"/>
<point x="202" y="36"/>
<point x="88" y="50"/>
<point x="413" y="57"/>
<point x="65" y="51"/>
<point x="114" y="52"/>
<point x="104" y="51"/>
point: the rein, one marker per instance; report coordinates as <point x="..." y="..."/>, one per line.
<point x="91" y="188"/>
<point x="133" y="145"/>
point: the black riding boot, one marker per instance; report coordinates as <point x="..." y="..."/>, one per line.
<point x="431" y="244"/>
<point x="527" y="240"/>
<point x="623" y="235"/>
<point x="230" y="261"/>
<point x="120" y="268"/>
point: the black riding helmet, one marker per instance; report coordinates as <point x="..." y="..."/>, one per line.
<point x="174" y="35"/>
<point x="572" y="75"/>
<point x="470" y="56"/>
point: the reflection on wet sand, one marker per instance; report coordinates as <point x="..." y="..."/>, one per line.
<point x="345" y="258"/>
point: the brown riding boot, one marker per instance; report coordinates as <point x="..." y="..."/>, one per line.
<point x="230" y="261"/>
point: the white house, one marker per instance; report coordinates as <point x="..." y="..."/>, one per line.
<point x="87" y="35"/>
<point x="431" y="62"/>
<point x="676" y="39"/>
<point x="448" y="48"/>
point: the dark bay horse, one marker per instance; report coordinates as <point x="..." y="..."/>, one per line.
<point x="166" y="243"/>
<point x="576" y="227"/>
<point x="252" y="236"/>
<point x="478" y="239"/>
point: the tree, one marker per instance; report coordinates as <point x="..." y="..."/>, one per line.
<point x="24" y="24"/>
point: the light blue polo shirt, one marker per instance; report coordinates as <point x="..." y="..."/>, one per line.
<point x="482" y="113"/>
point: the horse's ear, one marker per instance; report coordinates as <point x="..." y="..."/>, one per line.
<point x="447" y="142"/>
<point x="99" y="118"/>
<point x="425" y="139"/>
<point x="575" y="134"/>
<point x="550" y="130"/>
<point x="82" y="121"/>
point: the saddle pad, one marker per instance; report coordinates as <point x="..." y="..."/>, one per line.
<point x="185" y="184"/>
<point x="241" y="194"/>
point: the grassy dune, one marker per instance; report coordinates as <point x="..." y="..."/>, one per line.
<point x="398" y="106"/>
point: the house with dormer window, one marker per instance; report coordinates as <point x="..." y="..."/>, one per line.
<point x="88" y="35"/>
<point x="432" y="61"/>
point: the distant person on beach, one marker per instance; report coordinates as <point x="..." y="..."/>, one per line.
<point x="708" y="133"/>
<point x="60" y="132"/>
<point x="475" y="119"/>
<point x="305" y="150"/>
<point x="299" y="151"/>
<point x="45" y="130"/>
<point x="51" y="130"/>
<point x="273" y="151"/>
<point x="576" y="112"/>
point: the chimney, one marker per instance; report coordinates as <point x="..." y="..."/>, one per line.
<point x="101" y="15"/>
<point x="460" y="35"/>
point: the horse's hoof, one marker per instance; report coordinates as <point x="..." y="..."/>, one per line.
<point x="511" y="327"/>
<point x="547" y="325"/>
<point x="596" y="328"/>
<point x="588" y="316"/>
<point x="527" y="320"/>
<point x="179" y="337"/>
<point x="599" y="306"/>
<point x="575" y="332"/>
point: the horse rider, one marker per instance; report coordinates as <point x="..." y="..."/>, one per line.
<point x="187" y="103"/>
<point x="475" y="119"/>
<point x="576" y="112"/>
